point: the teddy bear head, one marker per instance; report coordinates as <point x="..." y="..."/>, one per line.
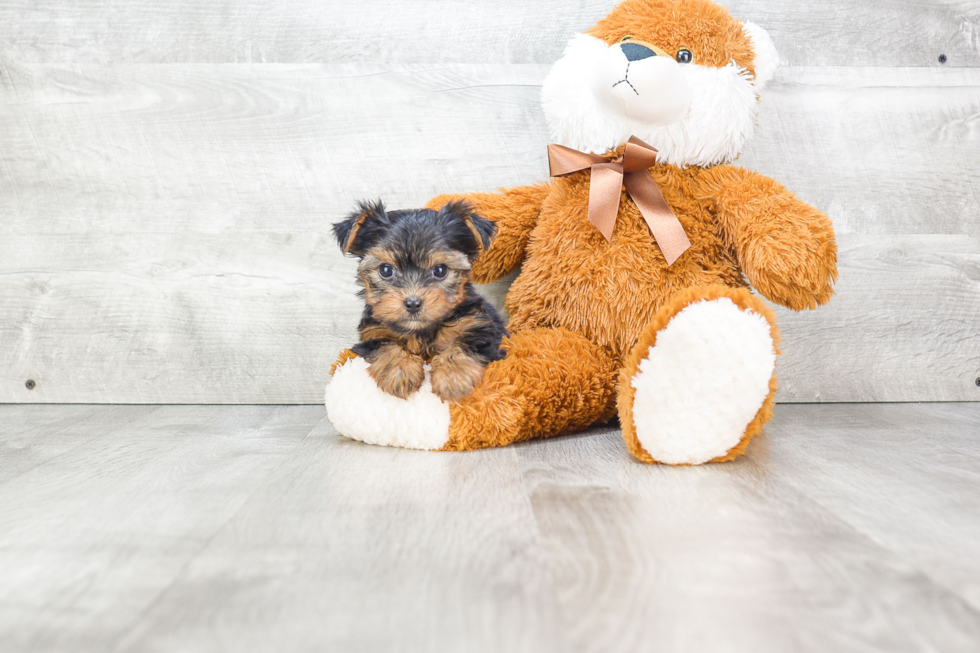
<point x="682" y="75"/>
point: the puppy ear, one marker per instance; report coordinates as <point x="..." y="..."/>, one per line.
<point x="766" y="58"/>
<point x="358" y="231"/>
<point x="482" y="230"/>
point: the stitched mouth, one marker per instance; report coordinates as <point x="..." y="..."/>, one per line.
<point x="626" y="80"/>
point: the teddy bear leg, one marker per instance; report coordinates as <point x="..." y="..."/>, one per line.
<point x="552" y="381"/>
<point x="700" y="381"/>
<point x="359" y="409"/>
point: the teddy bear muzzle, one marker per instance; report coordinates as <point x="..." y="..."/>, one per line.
<point x="641" y="82"/>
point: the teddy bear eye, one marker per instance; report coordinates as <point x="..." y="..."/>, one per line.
<point x="440" y="271"/>
<point x="386" y="271"/>
<point x="628" y="37"/>
<point x="684" y="56"/>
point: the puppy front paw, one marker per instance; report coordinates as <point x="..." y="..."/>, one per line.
<point x="455" y="374"/>
<point x="397" y="372"/>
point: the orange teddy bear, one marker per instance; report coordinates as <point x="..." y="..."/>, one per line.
<point x="633" y="302"/>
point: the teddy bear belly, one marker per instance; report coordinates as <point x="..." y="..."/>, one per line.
<point x="610" y="292"/>
<point x="539" y="298"/>
<point x="609" y="307"/>
<point x="583" y="310"/>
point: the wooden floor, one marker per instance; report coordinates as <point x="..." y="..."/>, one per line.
<point x="198" y="528"/>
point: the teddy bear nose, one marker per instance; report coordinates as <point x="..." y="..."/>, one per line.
<point x="413" y="304"/>
<point x="635" y="51"/>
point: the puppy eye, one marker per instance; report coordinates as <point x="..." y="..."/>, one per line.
<point x="440" y="271"/>
<point x="628" y="37"/>
<point x="684" y="56"/>
<point x="386" y="271"/>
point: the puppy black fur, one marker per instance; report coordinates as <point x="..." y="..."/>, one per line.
<point x="420" y="306"/>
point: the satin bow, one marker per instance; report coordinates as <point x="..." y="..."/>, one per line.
<point x="608" y="178"/>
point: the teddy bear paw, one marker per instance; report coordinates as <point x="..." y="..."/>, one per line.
<point x="702" y="382"/>
<point x="359" y="410"/>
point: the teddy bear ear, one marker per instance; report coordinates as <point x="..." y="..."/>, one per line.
<point x="766" y="58"/>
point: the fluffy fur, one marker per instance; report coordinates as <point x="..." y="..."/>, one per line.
<point x="360" y="410"/>
<point x="716" y="127"/>
<point x="698" y="375"/>
<point x="419" y="305"/>
<point x="604" y="327"/>
<point x="766" y="58"/>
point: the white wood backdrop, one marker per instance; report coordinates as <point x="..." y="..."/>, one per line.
<point x="169" y="171"/>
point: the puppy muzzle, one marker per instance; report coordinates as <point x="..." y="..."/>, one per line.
<point x="413" y="305"/>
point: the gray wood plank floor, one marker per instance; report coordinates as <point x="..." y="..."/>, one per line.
<point x="847" y="527"/>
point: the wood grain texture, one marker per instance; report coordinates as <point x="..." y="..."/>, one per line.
<point x="233" y="148"/>
<point x="64" y="427"/>
<point x="769" y="553"/>
<point x="354" y="548"/>
<point x="883" y="151"/>
<point x="905" y="325"/>
<point x="938" y="453"/>
<point x="222" y="148"/>
<point x="838" y="32"/>
<point x="200" y="528"/>
<point x="165" y="226"/>
<point x="90" y="539"/>
<point x="211" y="328"/>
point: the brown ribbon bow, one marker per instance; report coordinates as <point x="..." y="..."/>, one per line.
<point x="608" y="178"/>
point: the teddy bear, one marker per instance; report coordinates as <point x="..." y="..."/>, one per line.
<point x="636" y="259"/>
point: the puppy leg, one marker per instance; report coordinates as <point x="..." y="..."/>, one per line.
<point x="455" y="373"/>
<point x="395" y="370"/>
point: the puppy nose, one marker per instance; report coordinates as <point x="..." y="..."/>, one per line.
<point x="413" y="304"/>
<point x="635" y="51"/>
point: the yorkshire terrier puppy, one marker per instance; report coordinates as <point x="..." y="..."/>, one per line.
<point x="420" y="306"/>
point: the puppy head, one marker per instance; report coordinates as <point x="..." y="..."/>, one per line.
<point x="682" y="75"/>
<point x="414" y="264"/>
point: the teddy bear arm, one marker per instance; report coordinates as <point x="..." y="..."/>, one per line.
<point x="786" y="247"/>
<point x="515" y="212"/>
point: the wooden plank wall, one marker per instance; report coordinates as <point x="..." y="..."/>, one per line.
<point x="169" y="170"/>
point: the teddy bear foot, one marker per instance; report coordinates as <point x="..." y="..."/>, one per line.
<point x="361" y="411"/>
<point x="700" y="383"/>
